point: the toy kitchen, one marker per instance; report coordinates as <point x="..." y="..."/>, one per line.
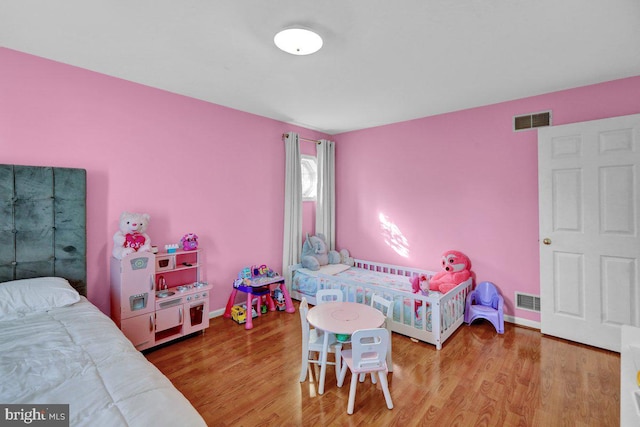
<point x="156" y="298"/>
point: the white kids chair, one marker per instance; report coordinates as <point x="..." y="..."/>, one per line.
<point x="367" y="355"/>
<point x="386" y="307"/>
<point x="329" y="295"/>
<point x="312" y="342"/>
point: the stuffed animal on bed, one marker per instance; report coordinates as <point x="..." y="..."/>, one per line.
<point x="456" y="269"/>
<point x="345" y="258"/>
<point x="420" y="285"/>
<point x="315" y="253"/>
<point x="131" y="237"/>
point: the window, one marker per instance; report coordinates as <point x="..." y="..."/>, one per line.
<point x="309" y="177"/>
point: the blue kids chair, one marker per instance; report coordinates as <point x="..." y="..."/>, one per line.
<point x="485" y="302"/>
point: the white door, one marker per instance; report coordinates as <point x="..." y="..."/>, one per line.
<point x="589" y="184"/>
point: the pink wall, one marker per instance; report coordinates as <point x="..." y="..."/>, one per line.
<point x="193" y="166"/>
<point x="461" y="181"/>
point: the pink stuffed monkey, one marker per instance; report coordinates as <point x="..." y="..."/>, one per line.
<point x="456" y="269"/>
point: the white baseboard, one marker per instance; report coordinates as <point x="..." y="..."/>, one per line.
<point x="522" y="322"/>
<point x="216" y="313"/>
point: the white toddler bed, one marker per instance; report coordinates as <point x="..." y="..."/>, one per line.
<point x="430" y="318"/>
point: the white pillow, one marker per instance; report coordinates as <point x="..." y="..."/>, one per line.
<point x="20" y="297"/>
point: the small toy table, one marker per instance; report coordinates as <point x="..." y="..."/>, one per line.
<point x="259" y="287"/>
<point x="341" y="318"/>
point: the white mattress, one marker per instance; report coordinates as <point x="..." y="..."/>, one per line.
<point x="77" y="356"/>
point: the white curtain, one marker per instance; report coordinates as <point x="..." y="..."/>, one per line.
<point x="292" y="246"/>
<point x="326" y="197"/>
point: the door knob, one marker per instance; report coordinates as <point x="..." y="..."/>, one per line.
<point x="547" y="241"/>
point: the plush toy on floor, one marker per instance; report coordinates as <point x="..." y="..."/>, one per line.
<point x="456" y="269"/>
<point x="131" y="237"/>
<point x="315" y="253"/>
<point x="278" y="298"/>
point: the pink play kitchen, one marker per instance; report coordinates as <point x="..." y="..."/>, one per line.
<point x="156" y="298"/>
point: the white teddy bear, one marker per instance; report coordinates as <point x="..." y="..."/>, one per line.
<point x="131" y="237"/>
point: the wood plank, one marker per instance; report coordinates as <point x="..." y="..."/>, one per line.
<point x="237" y="377"/>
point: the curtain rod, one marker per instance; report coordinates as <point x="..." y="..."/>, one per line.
<point x="286" y="135"/>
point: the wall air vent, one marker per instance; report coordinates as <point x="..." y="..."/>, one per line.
<point x="527" y="302"/>
<point x="531" y="121"/>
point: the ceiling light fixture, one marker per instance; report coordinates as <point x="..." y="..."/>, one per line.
<point x="298" y="41"/>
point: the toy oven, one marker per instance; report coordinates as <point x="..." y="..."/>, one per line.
<point x="164" y="263"/>
<point x="138" y="302"/>
<point x="197" y="315"/>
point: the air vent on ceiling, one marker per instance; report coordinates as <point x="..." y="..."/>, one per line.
<point x="527" y="302"/>
<point x="531" y="121"/>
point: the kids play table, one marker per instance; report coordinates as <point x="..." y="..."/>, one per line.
<point x="259" y="287"/>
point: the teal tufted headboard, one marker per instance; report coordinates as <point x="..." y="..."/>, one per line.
<point x="43" y="223"/>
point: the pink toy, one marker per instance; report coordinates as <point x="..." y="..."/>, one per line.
<point x="189" y="242"/>
<point x="420" y="285"/>
<point x="457" y="269"/>
<point x="131" y="237"/>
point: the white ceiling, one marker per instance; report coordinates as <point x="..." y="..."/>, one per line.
<point x="383" y="61"/>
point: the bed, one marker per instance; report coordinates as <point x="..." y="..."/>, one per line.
<point x="57" y="348"/>
<point x="430" y="318"/>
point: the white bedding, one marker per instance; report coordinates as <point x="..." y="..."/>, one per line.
<point x="76" y="355"/>
<point x="329" y="269"/>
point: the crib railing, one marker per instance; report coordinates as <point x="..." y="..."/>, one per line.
<point x="390" y="269"/>
<point x="430" y="318"/>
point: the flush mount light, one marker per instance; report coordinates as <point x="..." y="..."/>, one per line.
<point x="298" y="41"/>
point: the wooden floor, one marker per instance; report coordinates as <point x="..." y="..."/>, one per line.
<point x="235" y="377"/>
